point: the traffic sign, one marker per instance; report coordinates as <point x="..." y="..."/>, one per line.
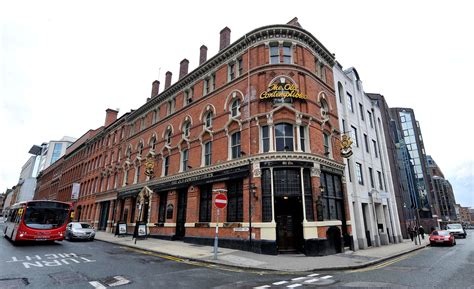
<point x="220" y="201"/>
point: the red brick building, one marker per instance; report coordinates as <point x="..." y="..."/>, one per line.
<point x="257" y="122"/>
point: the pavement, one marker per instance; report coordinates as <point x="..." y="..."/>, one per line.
<point x="348" y="260"/>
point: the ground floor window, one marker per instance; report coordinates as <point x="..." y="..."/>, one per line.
<point x="266" y="195"/>
<point x="332" y="197"/>
<point x="235" y="201"/>
<point x="205" y="203"/>
<point x="308" y="195"/>
<point x="162" y="207"/>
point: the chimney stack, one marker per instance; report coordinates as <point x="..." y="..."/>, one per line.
<point x="202" y="54"/>
<point x="225" y="38"/>
<point x="155" y="88"/>
<point x="168" y="79"/>
<point x="183" y="68"/>
<point x="110" y="116"/>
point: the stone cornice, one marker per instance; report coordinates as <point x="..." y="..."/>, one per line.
<point x="260" y="35"/>
<point x="275" y="156"/>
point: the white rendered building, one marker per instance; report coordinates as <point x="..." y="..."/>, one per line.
<point x="369" y="184"/>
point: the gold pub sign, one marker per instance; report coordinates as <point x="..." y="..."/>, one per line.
<point x="282" y="90"/>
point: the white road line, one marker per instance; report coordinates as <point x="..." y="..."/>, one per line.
<point x="261" y="287"/>
<point x="326" y="277"/>
<point x="97" y="285"/>
<point x="120" y="281"/>
<point x="280" y="283"/>
<point x="313" y="275"/>
<point x="294" y="285"/>
<point x="299" y="278"/>
<point x="311" y="280"/>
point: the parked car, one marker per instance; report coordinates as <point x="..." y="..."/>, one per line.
<point x="80" y="230"/>
<point x="442" y="237"/>
<point x="457" y="230"/>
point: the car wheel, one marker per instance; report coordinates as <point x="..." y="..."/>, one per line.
<point x="432" y="244"/>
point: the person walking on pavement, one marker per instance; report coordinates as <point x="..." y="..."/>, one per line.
<point x="421" y="231"/>
<point x="410" y="233"/>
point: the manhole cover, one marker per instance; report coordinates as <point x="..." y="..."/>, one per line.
<point x="13" y="283"/>
<point x="67" y="277"/>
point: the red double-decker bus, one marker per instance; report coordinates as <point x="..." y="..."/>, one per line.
<point x="37" y="221"/>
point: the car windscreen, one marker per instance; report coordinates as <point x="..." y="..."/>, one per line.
<point x="86" y="226"/>
<point x="440" y="233"/>
<point x="454" y="226"/>
<point x="46" y="215"/>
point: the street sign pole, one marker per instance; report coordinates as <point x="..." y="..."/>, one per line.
<point x="216" y="238"/>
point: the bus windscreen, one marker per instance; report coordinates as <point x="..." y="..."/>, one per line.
<point x="46" y="215"/>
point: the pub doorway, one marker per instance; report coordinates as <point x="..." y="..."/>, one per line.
<point x="181" y="214"/>
<point x="289" y="219"/>
<point x="104" y="215"/>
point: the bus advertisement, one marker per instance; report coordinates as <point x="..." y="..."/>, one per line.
<point x="37" y="221"/>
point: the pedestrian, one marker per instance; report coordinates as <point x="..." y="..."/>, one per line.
<point x="410" y="232"/>
<point x="421" y="231"/>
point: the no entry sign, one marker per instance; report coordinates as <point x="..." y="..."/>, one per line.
<point x="220" y="201"/>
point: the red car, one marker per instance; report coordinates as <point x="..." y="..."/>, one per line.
<point x="442" y="237"/>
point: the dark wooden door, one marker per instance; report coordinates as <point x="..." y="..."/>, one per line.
<point x="104" y="215"/>
<point x="181" y="218"/>
<point x="289" y="218"/>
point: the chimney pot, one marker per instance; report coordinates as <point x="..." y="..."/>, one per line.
<point x="183" y="68"/>
<point x="168" y="79"/>
<point x="202" y="54"/>
<point x="155" y="88"/>
<point x="225" y="38"/>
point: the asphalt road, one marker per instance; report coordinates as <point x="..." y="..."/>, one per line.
<point x="102" y="265"/>
<point x="432" y="267"/>
<point x="84" y="264"/>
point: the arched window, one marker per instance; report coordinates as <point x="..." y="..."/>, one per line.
<point x="324" y="108"/>
<point x="284" y="137"/>
<point x="153" y="143"/>
<point x="168" y="137"/>
<point x="208" y="120"/>
<point x="129" y="153"/>
<point x="140" y="149"/>
<point x="186" y="129"/>
<point x="235" y="108"/>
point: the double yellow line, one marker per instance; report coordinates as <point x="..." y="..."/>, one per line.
<point x="386" y="263"/>
<point x="209" y="265"/>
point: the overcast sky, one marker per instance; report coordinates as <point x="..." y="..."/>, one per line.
<point x="63" y="63"/>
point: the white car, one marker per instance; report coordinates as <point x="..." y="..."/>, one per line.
<point x="457" y="230"/>
<point x="80" y="230"/>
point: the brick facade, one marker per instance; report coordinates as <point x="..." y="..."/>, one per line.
<point x="214" y="103"/>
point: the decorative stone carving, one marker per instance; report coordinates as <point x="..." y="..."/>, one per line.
<point x="315" y="172"/>
<point x="257" y="173"/>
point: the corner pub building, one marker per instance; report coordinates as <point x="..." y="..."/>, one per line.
<point x="257" y="122"/>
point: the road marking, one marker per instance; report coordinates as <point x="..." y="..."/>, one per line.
<point x="313" y="275"/>
<point x="326" y="277"/>
<point x="311" y="280"/>
<point x="97" y="285"/>
<point x="261" y="287"/>
<point x="280" y="283"/>
<point x="299" y="278"/>
<point x="294" y="285"/>
<point x="120" y="281"/>
<point x="386" y="263"/>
